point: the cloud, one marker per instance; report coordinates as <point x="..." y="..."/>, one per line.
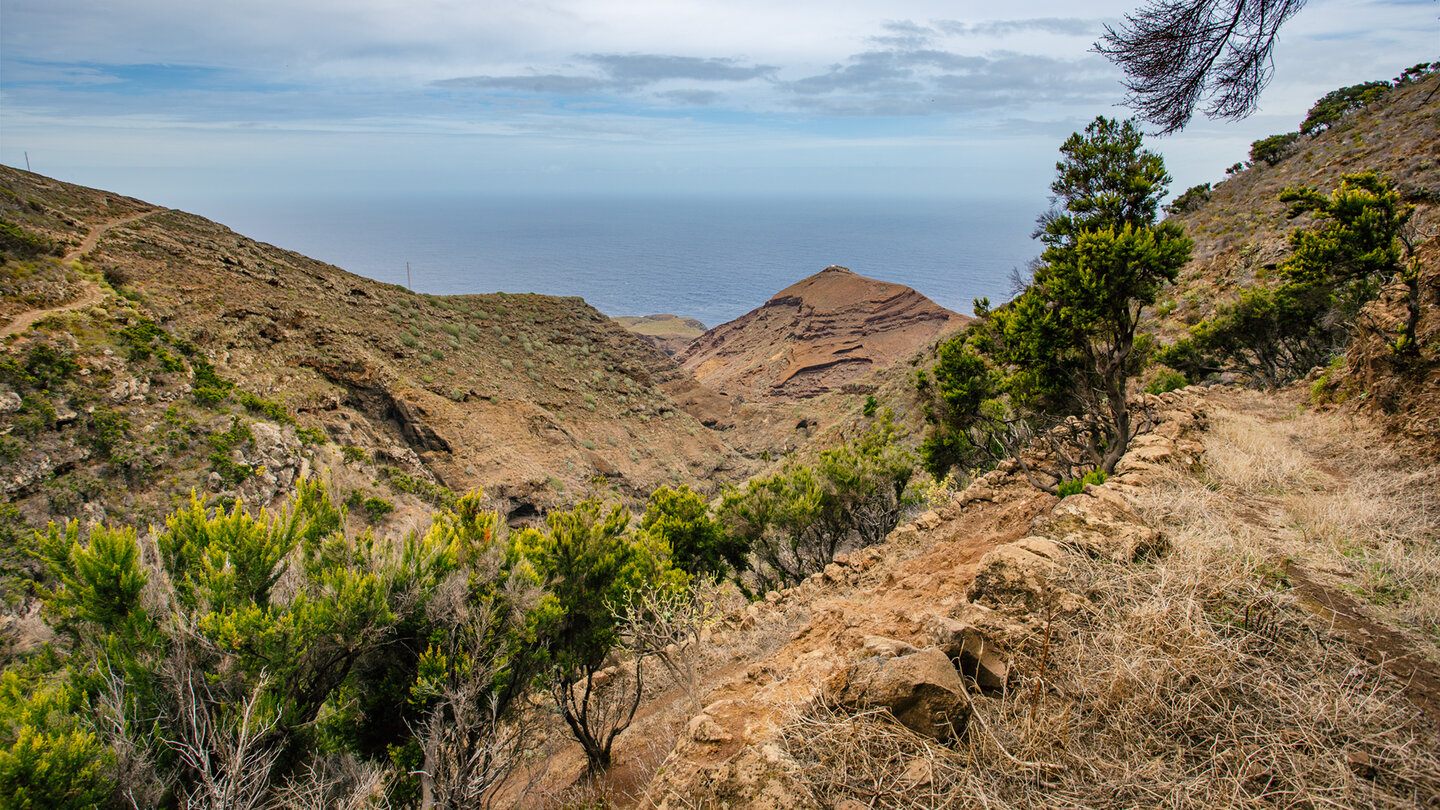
<point x="620" y="73"/>
<point x="691" y="98"/>
<point x="931" y="82"/>
<point x="551" y="84"/>
<point x="1063" y="26"/>
<point x="643" y="69"/>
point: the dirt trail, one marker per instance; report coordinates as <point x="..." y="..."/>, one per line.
<point x="1381" y="643"/>
<point x="91" y="293"/>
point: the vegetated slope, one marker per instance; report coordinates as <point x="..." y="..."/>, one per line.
<point x="1241" y="236"/>
<point x="815" y="336"/>
<point x="540" y="400"/>
<point x="668" y="333"/>
<point x="1240" y="232"/>
<point x="1141" y="643"/>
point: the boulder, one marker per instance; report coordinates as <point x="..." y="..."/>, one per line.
<point x="978" y="658"/>
<point x="1098" y="522"/>
<point x="1009" y="576"/>
<point x="887" y="647"/>
<point x="922" y="690"/>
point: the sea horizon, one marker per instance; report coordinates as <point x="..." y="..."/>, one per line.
<point x="712" y="258"/>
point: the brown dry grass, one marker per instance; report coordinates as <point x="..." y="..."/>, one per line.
<point x="1192" y="680"/>
<point x="1340" y="498"/>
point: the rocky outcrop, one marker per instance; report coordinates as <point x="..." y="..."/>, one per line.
<point x="922" y="690"/>
<point x="816" y="335"/>
<point x="923" y="626"/>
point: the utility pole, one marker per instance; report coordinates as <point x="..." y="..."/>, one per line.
<point x="27" y="161"/>
<point x="408" y="285"/>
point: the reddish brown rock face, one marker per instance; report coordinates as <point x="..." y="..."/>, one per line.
<point x="816" y="335"/>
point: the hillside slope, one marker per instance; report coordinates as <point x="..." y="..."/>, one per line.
<point x="816" y="335"/>
<point x="539" y="400"/>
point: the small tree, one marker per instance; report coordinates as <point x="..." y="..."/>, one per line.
<point x="1056" y="361"/>
<point x="1362" y="242"/>
<point x="796" y="520"/>
<point x="592" y="569"/>
<point x="1337" y="104"/>
<point x="1273" y="149"/>
<point x="681" y="519"/>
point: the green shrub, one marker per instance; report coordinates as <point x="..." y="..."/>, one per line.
<point x="355" y="455"/>
<point x="268" y="407"/>
<point x="1191" y="200"/>
<point x="231" y="472"/>
<point x="1077" y="485"/>
<point x="17" y="242"/>
<point x="1167" y="380"/>
<point x="1336" y="104"/>
<point x="871" y="403"/>
<point x="433" y="493"/>
<point x="1273" y="149"/>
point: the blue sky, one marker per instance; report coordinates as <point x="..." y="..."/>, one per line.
<point x="183" y="102"/>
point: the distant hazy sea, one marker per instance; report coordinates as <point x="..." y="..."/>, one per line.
<point x="708" y="258"/>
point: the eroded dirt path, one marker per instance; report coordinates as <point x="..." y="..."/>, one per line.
<point x="91" y="294"/>
<point x="1322" y="583"/>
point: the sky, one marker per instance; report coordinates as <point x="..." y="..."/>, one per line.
<point x="179" y="102"/>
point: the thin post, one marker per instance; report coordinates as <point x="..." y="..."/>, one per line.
<point x="408" y="285"/>
<point x="27" y="161"/>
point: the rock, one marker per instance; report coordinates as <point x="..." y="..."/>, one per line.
<point x="10" y="402"/>
<point x="887" y="647"/>
<point x="850" y="804"/>
<point x="1009" y="575"/>
<point x="927" y="521"/>
<point x="705" y="729"/>
<point x="979" y="659"/>
<point x="923" y="691"/>
<point x="1100" y="523"/>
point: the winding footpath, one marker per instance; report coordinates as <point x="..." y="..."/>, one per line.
<point x="91" y="294"/>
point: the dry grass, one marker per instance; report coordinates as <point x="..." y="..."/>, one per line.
<point x="1342" y="499"/>
<point x="1193" y="680"/>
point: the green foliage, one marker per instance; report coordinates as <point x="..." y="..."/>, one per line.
<point x="48" y="759"/>
<point x="592" y="568"/>
<point x="18" y="243"/>
<point x="436" y="494"/>
<point x="871" y="404"/>
<point x="276" y="411"/>
<point x="1415" y="73"/>
<point x="680" y="520"/>
<point x="42" y="368"/>
<point x="1066" y="346"/>
<point x="1166" y="381"/>
<point x="1191" y="200"/>
<point x="140" y="338"/>
<point x="1075" y="486"/>
<point x="355" y="455"/>
<point x="222" y="447"/>
<point x="794" y="521"/>
<point x="310" y="435"/>
<point x="110" y="431"/>
<point x="209" y="387"/>
<point x="1272" y="150"/>
<point x="100" y="581"/>
<point x="374" y="507"/>
<point x="1336" y="104"/>
<point x="1359" y="245"/>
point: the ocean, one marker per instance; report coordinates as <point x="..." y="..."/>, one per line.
<point x="708" y="258"/>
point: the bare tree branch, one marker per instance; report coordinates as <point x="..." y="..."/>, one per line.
<point x="1177" y="52"/>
